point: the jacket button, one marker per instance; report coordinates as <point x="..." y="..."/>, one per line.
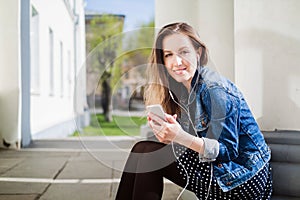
<point x="220" y="165"/>
<point x="203" y="123"/>
<point x="228" y="183"/>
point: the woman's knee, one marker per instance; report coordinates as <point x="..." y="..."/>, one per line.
<point x="146" y="147"/>
<point x="138" y="147"/>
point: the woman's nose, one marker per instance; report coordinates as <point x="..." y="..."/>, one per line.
<point x="178" y="60"/>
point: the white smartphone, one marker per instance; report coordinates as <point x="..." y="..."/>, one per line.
<point x="157" y="110"/>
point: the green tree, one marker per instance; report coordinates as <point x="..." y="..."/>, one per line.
<point x="138" y="47"/>
<point x="104" y="43"/>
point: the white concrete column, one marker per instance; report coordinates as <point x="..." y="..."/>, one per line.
<point x="9" y="71"/>
<point x="216" y="27"/>
<point x="168" y="11"/>
<point x="267" y="42"/>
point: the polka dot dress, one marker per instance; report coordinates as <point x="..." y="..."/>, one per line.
<point x="199" y="177"/>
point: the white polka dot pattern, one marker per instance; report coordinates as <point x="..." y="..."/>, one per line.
<point x="199" y="174"/>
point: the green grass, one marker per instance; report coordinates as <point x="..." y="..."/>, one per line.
<point x="119" y="126"/>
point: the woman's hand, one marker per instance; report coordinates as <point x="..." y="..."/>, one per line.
<point x="171" y="131"/>
<point x="166" y="131"/>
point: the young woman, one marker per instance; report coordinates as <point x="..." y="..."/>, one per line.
<point x="209" y="142"/>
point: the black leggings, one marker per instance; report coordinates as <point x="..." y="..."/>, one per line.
<point x="147" y="164"/>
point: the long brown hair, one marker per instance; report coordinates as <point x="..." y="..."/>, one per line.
<point x="157" y="89"/>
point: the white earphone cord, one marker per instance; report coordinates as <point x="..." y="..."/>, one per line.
<point x="187" y="175"/>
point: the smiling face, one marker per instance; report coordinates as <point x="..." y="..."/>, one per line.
<point x="180" y="58"/>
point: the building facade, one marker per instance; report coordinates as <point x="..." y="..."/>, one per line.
<point x="42" y="68"/>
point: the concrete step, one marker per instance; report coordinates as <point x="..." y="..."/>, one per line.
<point x="97" y="142"/>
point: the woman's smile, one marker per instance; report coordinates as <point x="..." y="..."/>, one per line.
<point x="179" y="71"/>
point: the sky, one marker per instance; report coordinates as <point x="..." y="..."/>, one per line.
<point x="135" y="11"/>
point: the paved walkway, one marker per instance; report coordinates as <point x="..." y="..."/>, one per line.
<point x="77" y="169"/>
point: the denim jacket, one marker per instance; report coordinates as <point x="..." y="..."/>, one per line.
<point x="232" y="139"/>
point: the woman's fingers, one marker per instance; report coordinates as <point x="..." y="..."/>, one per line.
<point x="175" y="116"/>
<point x="158" y="129"/>
<point x="161" y="139"/>
<point x="164" y="131"/>
<point x="156" y="118"/>
<point x="171" y="118"/>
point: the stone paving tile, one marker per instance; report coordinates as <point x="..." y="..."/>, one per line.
<point x="77" y="192"/>
<point x="32" y="153"/>
<point x="46" y="167"/>
<point x="114" y="188"/>
<point x="21" y="188"/>
<point x="85" y="169"/>
<point x="8" y="163"/>
<point x="45" y="163"/>
<point x="84" y="143"/>
<point x="118" y="167"/>
<point x="171" y="191"/>
<point x="18" y="197"/>
<point x="106" y="155"/>
<point x="108" y="159"/>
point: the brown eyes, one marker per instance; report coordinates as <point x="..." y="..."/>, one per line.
<point x="184" y="52"/>
<point x="168" y="55"/>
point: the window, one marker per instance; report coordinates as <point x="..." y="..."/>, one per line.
<point x="61" y="69"/>
<point x="69" y="74"/>
<point x="51" y="63"/>
<point x="34" y="52"/>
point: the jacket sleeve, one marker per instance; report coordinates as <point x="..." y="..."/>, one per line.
<point x="222" y="139"/>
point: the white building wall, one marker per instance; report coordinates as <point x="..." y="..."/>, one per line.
<point x="267" y="60"/>
<point x="48" y="110"/>
<point x="50" y="116"/>
<point x="9" y="71"/>
<point x="254" y="43"/>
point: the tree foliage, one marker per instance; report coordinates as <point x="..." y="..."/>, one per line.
<point x="139" y="45"/>
<point x="104" y="42"/>
<point x="111" y="49"/>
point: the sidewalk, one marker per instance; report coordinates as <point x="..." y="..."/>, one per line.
<point x="84" y="169"/>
